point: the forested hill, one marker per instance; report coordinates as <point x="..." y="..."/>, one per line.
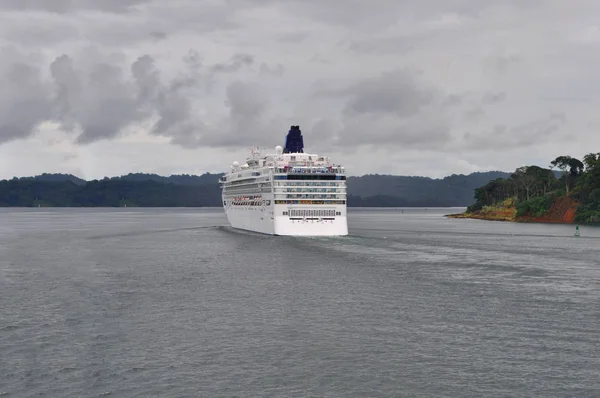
<point x="373" y="190"/>
<point x="151" y="190"/>
<point x="534" y="193"/>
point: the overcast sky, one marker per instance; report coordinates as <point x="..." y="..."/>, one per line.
<point x="409" y="87"/>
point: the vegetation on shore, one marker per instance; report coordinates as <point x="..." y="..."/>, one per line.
<point x="535" y="194"/>
<point x="151" y="190"/>
<point x="133" y="190"/>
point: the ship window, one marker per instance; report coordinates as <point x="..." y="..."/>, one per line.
<point x="312" y="177"/>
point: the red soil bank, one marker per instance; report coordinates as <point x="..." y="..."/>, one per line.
<point x="562" y="211"/>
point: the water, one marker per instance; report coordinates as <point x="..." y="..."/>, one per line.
<point x="172" y="303"/>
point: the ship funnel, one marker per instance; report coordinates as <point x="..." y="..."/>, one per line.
<point x="294" y="143"/>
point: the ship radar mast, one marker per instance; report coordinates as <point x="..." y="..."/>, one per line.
<point x="294" y="143"/>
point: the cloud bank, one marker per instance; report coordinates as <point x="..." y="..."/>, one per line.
<point x="415" y="87"/>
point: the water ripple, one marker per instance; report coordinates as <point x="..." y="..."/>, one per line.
<point x="170" y="303"/>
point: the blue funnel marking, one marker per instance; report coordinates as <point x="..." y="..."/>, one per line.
<point x="294" y="143"/>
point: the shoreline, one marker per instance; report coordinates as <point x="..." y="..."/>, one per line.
<point x="521" y="220"/>
<point x="561" y="211"/>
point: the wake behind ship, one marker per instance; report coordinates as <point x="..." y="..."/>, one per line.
<point x="287" y="192"/>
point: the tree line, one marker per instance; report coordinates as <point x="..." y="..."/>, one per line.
<point x="151" y="190"/>
<point x="106" y="193"/>
<point x="535" y="189"/>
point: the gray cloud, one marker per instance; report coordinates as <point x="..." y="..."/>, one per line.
<point x="23" y="101"/>
<point x="68" y="91"/>
<point x="99" y="102"/>
<point x="394" y="107"/>
<point x="407" y="133"/>
<point x="35" y="32"/>
<point x="492" y="98"/>
<point x="410" y="76"/>
<point x="168" y="103"/>
<point x="294" y="37"/>
<point x="277" y="71"/>
<point x="397" y="92"/>
<point x="503" y="137"/>
<point x="114" y="23"/>
<point x="386" y="45"/>
<point x="158" y="35"/>
<point x="393" y="92"/>
<point x="474" y="114"/>
<point x="66" y="6"/>
<point x="243" y="102"/>
<point x="379" y="15"/>
<point x="237" y="62"/>
<point x="453" y="100"/>
<point x="501" y="64"/>
<point x="101" y="96"/>
<point x="248" y="123"/>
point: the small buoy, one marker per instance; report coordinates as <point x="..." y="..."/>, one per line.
<point x="577" y="230"/>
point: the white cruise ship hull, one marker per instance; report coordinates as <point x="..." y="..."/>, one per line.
<point x="266" y="222"/>
<point x="285" y="226"/>
<point x="255" y="220"/>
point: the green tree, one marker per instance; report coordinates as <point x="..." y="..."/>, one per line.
<point x="526" y="177"/>
<point x="591" y="161"/>
<point x="571" y="168"/>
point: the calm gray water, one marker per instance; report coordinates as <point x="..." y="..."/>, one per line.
<point x="172" y="303"/>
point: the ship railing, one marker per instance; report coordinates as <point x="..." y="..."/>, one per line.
<point x="310" y="170"/>
<point x="340" y="190"/>
<point x="309" y="202"/>
<point x="339" y="184"/>
<point x="310" y="196"/>
<point x="310" y="190"/>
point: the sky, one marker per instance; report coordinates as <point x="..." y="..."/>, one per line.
<point x="405" y="87"/>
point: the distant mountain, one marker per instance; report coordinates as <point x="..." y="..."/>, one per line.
<point x="54" y="178"/>
<point x="139" y="189"/>
<point x="397" y="191"/>
<point x="108" y="192"/>
<point x="180" y="179"/>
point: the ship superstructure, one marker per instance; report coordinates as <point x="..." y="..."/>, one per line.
<point x="287" y="192"/>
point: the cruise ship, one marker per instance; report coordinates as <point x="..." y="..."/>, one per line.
<point x="286" y="192"/>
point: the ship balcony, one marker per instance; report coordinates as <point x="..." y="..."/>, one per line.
<point x="308" y="183"/>
<point x="310" y="196"/>
<point x="310" y="190"/>
<point x="308" y="169"/>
